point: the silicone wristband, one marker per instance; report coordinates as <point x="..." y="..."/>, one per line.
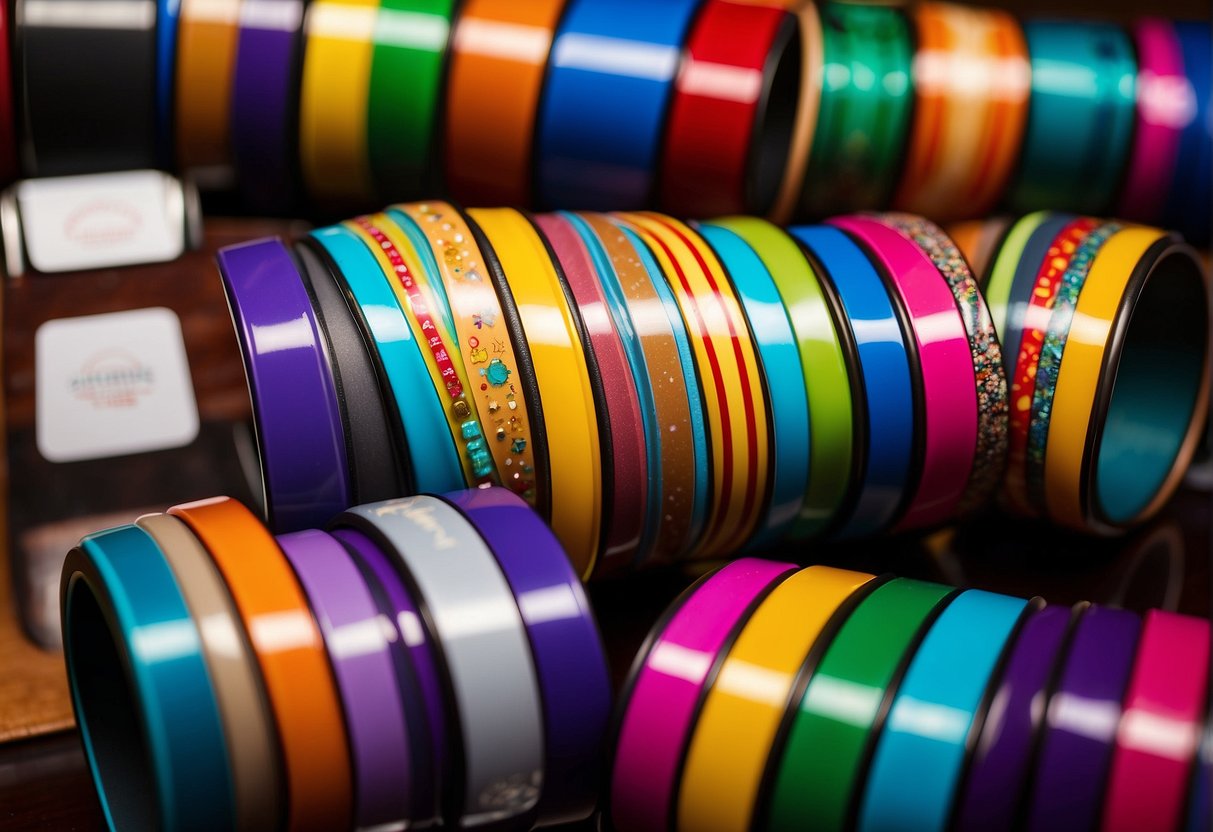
<point x="374" y="461"/>
<point x="919" y="757"/>
<point x="508" y="409"/>
<point x="248" y="724"/>
<point x="334" y="96"/>
<point x="997" y="281"/>
<point x="411" y="39"/>
<point x="415" y="671"/>
<point x="493" y="698"/>
<point x="808" y="39"/>
<point x="947" y="370"/>
<point x="729" y="374"/>
<point x="88" y="92"/>
<point x="971" y="84"/>
<point x="700" y="492"/>
<point x="993" y="788"/>
<point x="208" y="32"/>
<point x="1144" y="311"/>
<point x="299" y="431"/>
<point x="265" y="109"/>
<point x="731" y="119"/>
<point x="568" y="651"/>
<point x="885" y="367"/>
<point x="498" y="61"/>
<point x="9" y="163"/>
<point x="841" y="707"/>
<point x="1169" y="687"/>
<point x="862" y="128"/>
<point x="572" y="421"/>
<point x="1080" y="119"/>
<point x="1163" y="110"/>
<point x="610" y="78"/>
<point x="148" y="717"/>
<point x="358" y="651"/>
<point x="625" y="518"/>
<point x="990" y="456"/>
<point x="728" y="751"/>
<point x="1081" y="718"/>
<point x="1052" y="350"/>
<point x="414" y="408"/>
<point x="777" y="347"/>
<point x="298" y="681"/>
<point x="1192" y="188"/>
<point x="669" y="680"/>
<point x="823" y="363"/>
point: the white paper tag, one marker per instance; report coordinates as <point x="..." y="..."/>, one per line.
<point x="113" y="384"/>
<point x="110" y="219"/>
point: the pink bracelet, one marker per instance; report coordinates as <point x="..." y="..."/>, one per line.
<point x="671" y="676"/>
<point x="948" y="383"/>
<point x="1165" y="105"/>
<point x="1160" y="730"/>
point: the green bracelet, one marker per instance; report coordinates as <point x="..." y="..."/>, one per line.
<point x="1001" y="274"/>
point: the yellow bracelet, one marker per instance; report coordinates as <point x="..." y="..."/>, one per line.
<point x="741" y="715"/>
<point x="333" y="98"/>
<point x="570" y="417"/>
<point x="729" y="372"/>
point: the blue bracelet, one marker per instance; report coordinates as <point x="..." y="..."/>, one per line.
<point x="1189" y="207"/>
<point x="167" y="12"/>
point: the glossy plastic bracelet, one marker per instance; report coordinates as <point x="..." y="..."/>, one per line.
<point x="804" y="117"/>
<point x="248" y="723"/>
<point x="1000" y="276"/>
<point x="1139" y="361"/>
<point x="414" y="409"/>
<point x="1148" y="782"/>
<point x="572" y="422"/>
<point x="979" y="241"/>
<point x="729" y="374"/>
<point x="498" y="60"/>
<point x="299" y="431"/>
<point x="1188" y="204"/>
<point x="410" y="43"/>
<point x="783" y="638"/>
<point x="990" y="456"/>
<point x="971" y="85"/>
<point x="265" y="109"/>
<point x="365" y="679"/>
<point x="626" y="458"/>
<point x="568" y="651"/>
<point x="947" y="370"/>
<point x="824" y="365"/>
<point x="1080" y="119"/>
<point x="918" y="758"/>
<point x="667" y="685"/>
<point x="861" y="128"/>
<point x="148" y="717"/>
<point x="298" y="680"/>
<point x="1075" y="752"/>
<point x="610" y="79"/>
<point x="334" y="94"/>
<point x="1163" y="110"/>
<point x="500" y="363"/>
<point x="844" y="704"/>
<point x="1002" y="756"/>
<point x="207" y="36"/>
<point x="731" y="119"/>
<point x="494" y="705"/>
<point x="783" y="380"/>
<point x="9" y="162"/>
<point x="889" y="386"/>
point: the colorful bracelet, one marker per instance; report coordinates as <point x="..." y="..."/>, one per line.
<point x="208" y="32"/>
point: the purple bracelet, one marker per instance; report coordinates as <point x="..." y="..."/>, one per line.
<point x="1002" y="759"/>
<point x="569" y="659"/>
<point x="265" y="88"/>
<point x="416" y="674"/>
<point x="1083" y="717"/>
<point x="358" y="651"/>
<point x="300" y="437"/>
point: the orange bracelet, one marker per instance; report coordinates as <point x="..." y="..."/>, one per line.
<point x="208" y="32"/>
<point x="291" y="653"/>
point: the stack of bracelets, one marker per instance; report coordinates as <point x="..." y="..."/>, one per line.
<point x="426" y="660"/>
<point x="225" y="679"/>
<point x="661" y="392"/>
<point x="698" y="107"/>
<point x="775" y="698"/>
